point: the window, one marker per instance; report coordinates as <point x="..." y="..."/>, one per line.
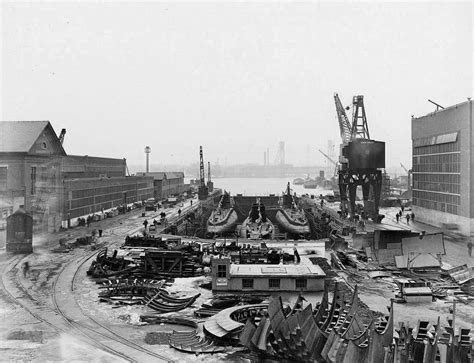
<point x="274" y="283"/>
<point x="43" y="146"/>
<point x="222" y="271"/>
<point x="301" y="283"/>
<point x="3" y="176"/>
<point x="33" y="180"/>
<point x="247" y="283"/>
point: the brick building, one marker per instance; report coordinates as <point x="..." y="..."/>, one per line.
<point x="36" y="173"/>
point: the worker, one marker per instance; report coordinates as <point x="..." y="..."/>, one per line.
<point x="26" y="269"/>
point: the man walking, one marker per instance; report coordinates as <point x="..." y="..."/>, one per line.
<point x="26" y="269"/>
<point x="469" y="248"/>
<point x="408" y="218"/>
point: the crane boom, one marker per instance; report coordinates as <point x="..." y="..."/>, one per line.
<point x="328" y="157"/>
<point x="404" y="168"/>
<point x="201" y="168"/>
<point x="345" y="126"/>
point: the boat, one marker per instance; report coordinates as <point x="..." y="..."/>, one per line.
<point x="298" y="181"/>
<point x="224" y="218"/>
<point x="257" y="225"/>
<point x="310" y="183"/>
<point x="290" y="218"/>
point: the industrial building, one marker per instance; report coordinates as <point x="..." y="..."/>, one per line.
<point x="38" y="175"/>
<point x="232" y="278"/>
<point x="443" y="172"/>
<point x="166" y="184"/>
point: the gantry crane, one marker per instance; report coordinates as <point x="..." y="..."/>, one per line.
<point x="210" y="184"/>
<point x="360" y="160"/>
<point x="202" y="191"/>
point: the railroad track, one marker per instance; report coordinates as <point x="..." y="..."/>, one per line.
<point x="89" y="330"/>
<point x="90" y="327"/>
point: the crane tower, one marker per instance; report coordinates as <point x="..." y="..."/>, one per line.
<point x="202" y="191"/>
<point x="361" y="161"/>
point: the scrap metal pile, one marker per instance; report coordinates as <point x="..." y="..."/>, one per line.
<point x="106" y="266"/>
<point x="128" y="291"/>
<point x="337" y="332"/>
<point x="145" y="292"/>
<point x="184" y="260"/>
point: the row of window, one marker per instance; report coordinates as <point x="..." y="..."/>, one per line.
<point x="104" y="198"/>
<point x="438" y="178"/>
<point x="437" y="187"/>
<point x="274" y="283"/>
<point x="442" y="207"/>
<point x="95" y="208"/>
<point x="437" y="197"/>
<point x="437" y="149"/>
<point x="84" y="193"/>
<point x="3" y="176"/>
<point x="437" y="158"/>
<point x="437" y="168"/>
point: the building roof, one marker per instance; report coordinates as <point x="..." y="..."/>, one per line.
<point x="160" y="175"/>
<point x="20" y="136"/>
<point x="457" y="105"/>
<point x="303" y="270"/>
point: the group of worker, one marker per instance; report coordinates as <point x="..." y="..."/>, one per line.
<point x="408" y="216"/>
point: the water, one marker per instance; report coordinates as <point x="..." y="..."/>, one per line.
<point x="264" y="186"/>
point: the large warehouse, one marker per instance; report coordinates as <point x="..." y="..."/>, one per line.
<point x="443" y="175"/>
<point x="37" y="174"/>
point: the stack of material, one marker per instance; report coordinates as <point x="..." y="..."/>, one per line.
<point x="191" y="342"/>
<point x="105" y="266"/>
<point x="170" y="263"/>
<point x="128" y="291"/>
<point x="336" y="262"/>
<point x="144" y="241"/>
<point x="223" y="302"/>
<point x="227" y="324"/>
<point x="163" y="303"/>
<point x="432" y="343"/>
<point x="334" y="332"/>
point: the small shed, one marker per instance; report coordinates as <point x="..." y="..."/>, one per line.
<point x="20" y="232"/>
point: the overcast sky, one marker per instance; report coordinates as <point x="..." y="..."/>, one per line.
<point x="236" y="78"/>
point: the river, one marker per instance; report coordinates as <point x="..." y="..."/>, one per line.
<point x="263" y="186"/>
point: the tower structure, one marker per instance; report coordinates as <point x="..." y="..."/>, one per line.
<point x="203" y="192"/>
<point x="147" y="153"/>
<point x="361" y="161"/>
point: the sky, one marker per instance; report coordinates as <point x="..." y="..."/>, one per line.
<point x="234" y="77"/>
